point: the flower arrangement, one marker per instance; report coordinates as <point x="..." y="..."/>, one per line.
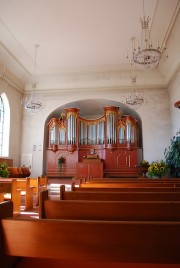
<point x="158" y="169"/>
<point x="144" y="163"/>
<point x="60" y="162"/>
<point x="4" y="172"/>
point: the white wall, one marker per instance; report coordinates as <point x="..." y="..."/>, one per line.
<point x="174" y="93"/>
<point x="156" y="124"/>
<point x="155" y="117"/>
<point x="160" y="121"/>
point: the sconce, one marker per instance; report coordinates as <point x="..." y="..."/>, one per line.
<point x="177" y="104"/>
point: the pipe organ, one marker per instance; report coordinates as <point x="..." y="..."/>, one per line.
<point x="113" y="138"/>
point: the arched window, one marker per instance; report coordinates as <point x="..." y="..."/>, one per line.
<point x="4" y="125"/>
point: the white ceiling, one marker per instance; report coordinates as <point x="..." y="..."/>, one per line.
<point x="83" y="43"/>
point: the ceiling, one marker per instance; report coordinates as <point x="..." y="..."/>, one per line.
<point x="83" y="43"/>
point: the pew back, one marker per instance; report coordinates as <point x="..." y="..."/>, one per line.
<point x="129" y="184"/>
<point x="109" y="210"/>
<point x="97" y="244"/>
<point x="94" y="241"/>
<point x="127" y="189"/>
<point x="118" y="196"/>
<point x="161" y="180"/>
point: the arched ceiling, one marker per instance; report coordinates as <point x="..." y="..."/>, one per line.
<point x="94" y="108"/>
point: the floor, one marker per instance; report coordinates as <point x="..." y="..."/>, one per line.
<point x="53" y="187"/>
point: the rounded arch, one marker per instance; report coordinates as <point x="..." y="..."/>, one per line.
<point x="90" y="108"/>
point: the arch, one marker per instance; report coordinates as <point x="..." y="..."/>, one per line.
<point x="5" y="125"/>
<point x="91" y="109"/>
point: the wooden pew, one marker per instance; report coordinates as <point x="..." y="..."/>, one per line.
<point x="128" y="184"/>
<point x="161" y="180"/>
<point x="26" y="191"/>
<point x="2" y="197"/>
<point x="39" y="184"/>
<point x="6" y="209"/>
<point x="116" y="188"/>
<point x="9" y="187"/>
<point x="97" y="244"/>
<point x="118" y="196"/>
<point x="19" y="172"/>
<point x="108" y="210"/>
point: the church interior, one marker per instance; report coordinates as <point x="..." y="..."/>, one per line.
<point x="90" y="133"/>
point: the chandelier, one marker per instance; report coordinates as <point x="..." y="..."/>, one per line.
<point x="33" y="104"/>
<point x="135" y="98"/>
<point x="144" y="55"/>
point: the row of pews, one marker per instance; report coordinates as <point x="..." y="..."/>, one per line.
<point x="19" y="172"/>
<point x="103" y="223"/>
<point x="15" y="189"/>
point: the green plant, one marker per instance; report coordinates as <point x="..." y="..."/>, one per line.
<point x="158" y="169"/>
<point x="172" y="156"/>
<point x="144" y="163"/>
<point x="4" y="172"/>
<point x="60" y="162"/>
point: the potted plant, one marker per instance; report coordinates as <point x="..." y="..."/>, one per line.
<point x="60" y="162"/>
<point x="143" y="168"/>
<point x="4" y="172"/>
<point x="158" y="169"/>
<point x="172" y="156"/>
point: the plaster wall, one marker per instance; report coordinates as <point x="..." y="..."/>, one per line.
<point x="160" y="120"/>
<point x="155" y="115"/>
<point x="174" y="96"/>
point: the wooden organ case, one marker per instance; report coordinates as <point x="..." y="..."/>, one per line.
<point x="112" y="140"/>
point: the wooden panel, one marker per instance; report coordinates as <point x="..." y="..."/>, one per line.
<point x="9" y="187"/>
<point x="117" y="163"/>
<point x="112" y="210"/>
<point x="96" y="170"/>
<point x="120" y="163"/>
<point x="82" y="170"/>
<point x="6" y="209"/>
<point x="68" y="166"/>
<point x="123" y="242"/>
<point x="89" y="170"/>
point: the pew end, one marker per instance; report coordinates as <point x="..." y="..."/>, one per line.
<point x="11" y="192"/>
<point x="6" y="209"/>
<point x="39" y="184"/>
<point x="26" y="191"/>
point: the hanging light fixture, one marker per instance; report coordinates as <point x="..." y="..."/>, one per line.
<point x="144" y="55"/>
<point x="135" y="98"/>
<point x="33" y="104"/>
